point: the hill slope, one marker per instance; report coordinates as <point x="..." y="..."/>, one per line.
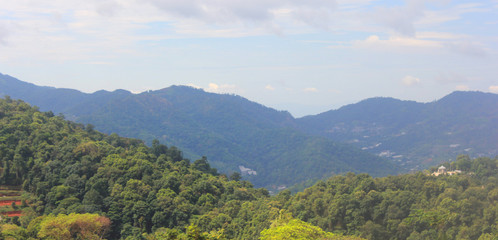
<point x="234" y="133"/>
<point x="416" y="134"/>
<point x="137" y="192"/>
<point x="66" y="168"/>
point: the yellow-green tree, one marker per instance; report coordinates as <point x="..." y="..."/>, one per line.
<point x="74" y="226"/>
<point x="12" y="232"/>
<point x="287" y="228"/>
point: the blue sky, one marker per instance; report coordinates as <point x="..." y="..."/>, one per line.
<point x="302" y="56"/>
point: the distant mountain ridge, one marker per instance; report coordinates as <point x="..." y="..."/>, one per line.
<point x="415" y="134"/>
<point x="233" y="132"/>
<point x="51" y="96"/>
<point x="277" y="149"/>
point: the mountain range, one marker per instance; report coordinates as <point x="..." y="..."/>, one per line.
<point x="83" y="184"/>
<point x="273" y="149"/>
<point x="417" y="135"/>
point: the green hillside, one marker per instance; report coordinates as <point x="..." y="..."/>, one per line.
<point x="271" y="148"/>
<point x="68" y="168"/>
<point x="416" y="206"/>
<point x="235" y="132"/>
<point x="237" y="135"/>
<point x="82" y="184"/>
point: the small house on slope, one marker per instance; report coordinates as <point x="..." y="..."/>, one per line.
<point x="442" y="170"/>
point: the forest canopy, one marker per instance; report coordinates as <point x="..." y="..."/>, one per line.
<point x="104" y="186"/>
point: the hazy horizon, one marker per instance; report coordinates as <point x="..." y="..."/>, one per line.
<point x="304" y="57"/>
<point x="293" y="105"/>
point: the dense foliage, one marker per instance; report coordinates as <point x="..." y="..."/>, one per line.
<point x="230" y="130"/>
<point x="68" y="168"/>
<point x="411" y="206"/>
<point x="61" y="227"/>
<point x="95" y="185"/>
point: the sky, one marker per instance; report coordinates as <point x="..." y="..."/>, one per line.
<point x="304" y="56"/>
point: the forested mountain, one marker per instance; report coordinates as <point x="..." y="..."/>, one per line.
<point x="69" y="168"/>
<point x="240" y="135"/>
<point x="416" y="135"/>
<point x="233" y="132"/>
<point x="56" y="98"/>
<point x="82" y="184"/>
<point x="416" y="206"/>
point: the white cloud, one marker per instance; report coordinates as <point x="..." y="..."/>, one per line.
<point x="375" y="42"/>
<point x="106" y="31"/>
<point x="315" y="13"/>
<point x="66" y="30"/>
<point x="429" y="40"/>
<point x="426" y="41"/>
<point x="194" y="86"/>
<point x="269" y="14"/>
<point x="213" y="87"/>
<point x="410" y="81"/>
<point x="223" y="88"/>
<point x="107" y="7"/>
<point x="439" y="35"/>
<point x="404" y="21"/>
<point x="269" y="87"/>
<point x="400" y="18"/>
<point x="310" y="90"/>
<point x="462" y="88"/>
<point x="493" y="89"/>
<point x="437" y="17"/>
<point x="448" y="14"/>
<point x="92" y="30"/>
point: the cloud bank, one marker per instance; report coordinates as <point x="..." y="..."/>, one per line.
<point x="270" y="14"/>
<point x="493" y="89"/>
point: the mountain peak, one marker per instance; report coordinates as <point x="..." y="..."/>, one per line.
<point x="117" y="91"/>
<point x="470" y="99"/>
<point x="175" y="90"/>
